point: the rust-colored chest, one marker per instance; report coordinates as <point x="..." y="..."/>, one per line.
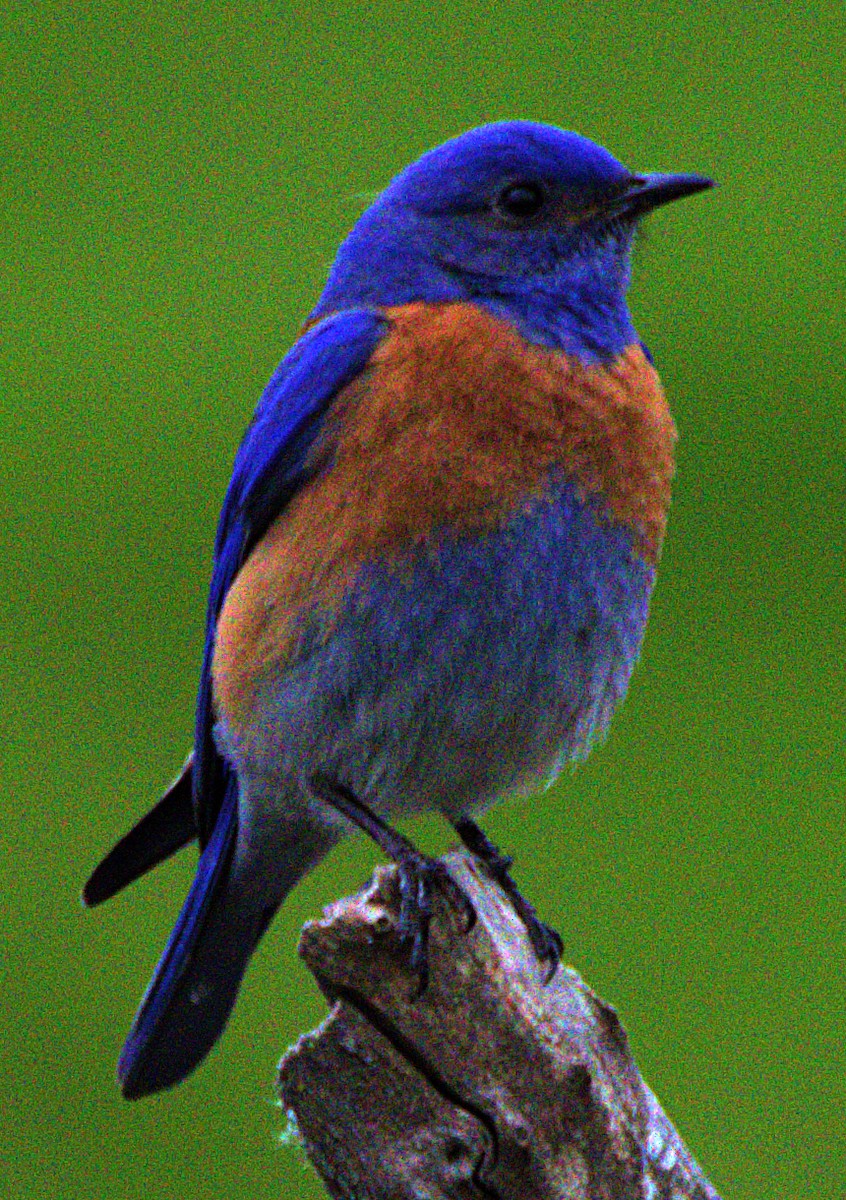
<point x="459" y="422"/>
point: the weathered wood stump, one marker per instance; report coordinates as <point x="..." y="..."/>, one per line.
<point x="492" y="1084"/>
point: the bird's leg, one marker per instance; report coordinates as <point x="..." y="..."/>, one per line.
<point x="418" y="874"/>
<point x="546" y="942"/>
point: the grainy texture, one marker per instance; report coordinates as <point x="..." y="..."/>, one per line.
<point x="493" y="1084"/>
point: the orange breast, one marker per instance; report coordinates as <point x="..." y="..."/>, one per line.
<point x="457" y="424"/>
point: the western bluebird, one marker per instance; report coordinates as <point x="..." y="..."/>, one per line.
<point x="434" y="558"/>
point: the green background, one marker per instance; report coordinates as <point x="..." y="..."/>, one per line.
<point x="174" y="183"/>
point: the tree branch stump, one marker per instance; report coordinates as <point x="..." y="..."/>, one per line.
<point x="492" y="1084"/>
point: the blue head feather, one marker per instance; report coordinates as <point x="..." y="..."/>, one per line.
<point x="438" y="233"/>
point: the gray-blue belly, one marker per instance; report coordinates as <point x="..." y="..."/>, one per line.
<point x="464" y="673"/>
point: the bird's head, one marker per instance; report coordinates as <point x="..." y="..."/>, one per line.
<point x="534" y="222"/>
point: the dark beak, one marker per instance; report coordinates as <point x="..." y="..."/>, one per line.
<point x="651" y="191"/>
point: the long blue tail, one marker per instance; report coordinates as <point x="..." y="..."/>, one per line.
<point x="196" y="982"/>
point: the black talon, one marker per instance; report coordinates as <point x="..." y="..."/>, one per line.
<point x="546" y="941"/>
<point x="415" y="917"/>
<point x="418" y="875"/>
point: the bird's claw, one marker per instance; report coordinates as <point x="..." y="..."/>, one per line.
<point x="418" y="877"/>
<point x="546" y="941"/>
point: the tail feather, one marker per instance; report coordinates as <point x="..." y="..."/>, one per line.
<point x="165" y="829"/>
<point x="196" y="982"/>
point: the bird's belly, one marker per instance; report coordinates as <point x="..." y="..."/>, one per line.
<point x="468" y="670"/>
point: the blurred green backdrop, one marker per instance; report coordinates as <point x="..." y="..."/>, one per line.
<point x="174" y="183"/>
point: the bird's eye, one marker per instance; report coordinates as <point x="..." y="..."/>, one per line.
<point x="519" y="201"/>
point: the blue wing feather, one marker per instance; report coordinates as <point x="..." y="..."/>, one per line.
<point x="270" y="466"/>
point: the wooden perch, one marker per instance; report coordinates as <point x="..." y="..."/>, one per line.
<point x="492" y="1084"/>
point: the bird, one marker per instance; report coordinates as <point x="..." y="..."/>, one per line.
<point x="433" y="564"/>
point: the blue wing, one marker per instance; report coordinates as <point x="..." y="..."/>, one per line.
<point x="270" y="466"/>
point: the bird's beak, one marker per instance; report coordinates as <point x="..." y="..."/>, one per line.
<point x="651" y="191"/>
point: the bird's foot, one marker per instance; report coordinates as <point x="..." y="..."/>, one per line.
<point x="546" y="941"/>
<point x="419" y="874"/>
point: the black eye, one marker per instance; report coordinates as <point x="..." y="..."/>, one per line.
<point x="519" y="201"/>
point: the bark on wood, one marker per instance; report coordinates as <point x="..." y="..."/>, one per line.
<point x="492" y="1084"/>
